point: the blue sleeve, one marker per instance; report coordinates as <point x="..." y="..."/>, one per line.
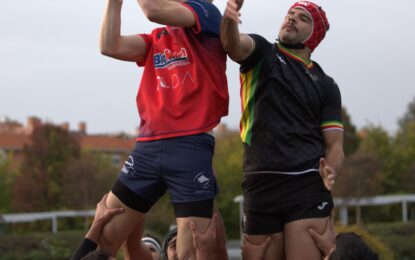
<point x="207" y="15"/>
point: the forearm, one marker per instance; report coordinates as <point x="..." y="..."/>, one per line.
<point x="229" y="35"/>
<point x="111" y="27"/>
<point x="335" y="156"/>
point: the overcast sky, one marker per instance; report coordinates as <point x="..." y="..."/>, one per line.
<point x="50" y="65"/>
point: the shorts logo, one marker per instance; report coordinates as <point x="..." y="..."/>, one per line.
<point x="322" y="206"/>
<point x="128" y="167"/>
<point x="202" y="182"/>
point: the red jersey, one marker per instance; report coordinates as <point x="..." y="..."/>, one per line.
<point x="183" y="90"/>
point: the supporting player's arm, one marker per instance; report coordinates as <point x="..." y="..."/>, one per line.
<point x="332" y="163"/>
<point x="238" y="46"/>
<point x="325" y="241"/>
<point x="212" y="243"/>
<point x="112" y="43"/>
<point x="103" y="214"/>
<point x="133" y="248"/>
<point x="167" y="13"/>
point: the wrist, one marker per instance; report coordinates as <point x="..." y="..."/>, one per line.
<point x="93" y="234"/>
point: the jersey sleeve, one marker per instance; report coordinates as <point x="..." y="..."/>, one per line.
<point x="149" y="41"/>
<point x="262" y="48"/>
<point x="332" y="107"/>
<point x="207" y="16"/>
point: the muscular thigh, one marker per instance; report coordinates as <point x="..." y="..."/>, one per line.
<point x="273" y="251"/>
<point x="184" y="244"/>
<point x="120" y="226"/>
<point x="296" y="236"/>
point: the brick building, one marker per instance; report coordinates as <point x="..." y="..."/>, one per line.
<point x="14" y="135"/>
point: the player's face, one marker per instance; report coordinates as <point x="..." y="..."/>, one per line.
<point x="154" y="252"/>
<point x="171" y="250"/>
<point x="297" y="26"/>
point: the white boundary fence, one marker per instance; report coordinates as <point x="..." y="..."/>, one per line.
<point x="53" y="216"/>
<point x="342" y="203"/>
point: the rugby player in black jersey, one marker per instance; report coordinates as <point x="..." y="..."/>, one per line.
<point x="292" y="131"/>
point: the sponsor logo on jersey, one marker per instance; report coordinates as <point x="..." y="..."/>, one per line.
<point x="312" y="76"/>
<point x="281" y="59"/>
<point x="170" y="59"/>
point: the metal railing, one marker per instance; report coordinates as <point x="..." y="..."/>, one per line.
<point x="53" y="216"/>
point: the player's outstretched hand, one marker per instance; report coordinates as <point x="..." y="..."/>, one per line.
<point x="232" y="10"/>
<point x="254" y="252"/>
<point x="103" y="214"/>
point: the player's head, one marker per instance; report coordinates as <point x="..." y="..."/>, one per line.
<point x="169" y="245"/>
<point x="350" y="246"/>
<point x="304" y="26"/>
<point x="153" y="245"/>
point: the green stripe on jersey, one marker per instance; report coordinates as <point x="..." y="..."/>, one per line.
<point x="249" y="82"/>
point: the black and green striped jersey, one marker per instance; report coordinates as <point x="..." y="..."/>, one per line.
<point x="287" y="103"/>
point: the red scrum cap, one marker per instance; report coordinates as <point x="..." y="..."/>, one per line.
<point x="320" y="23"/>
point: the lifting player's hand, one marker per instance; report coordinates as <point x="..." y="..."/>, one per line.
<point x="327" y="173"/>
<point x="232" y="10"/>
<point x="252" y="251"/>
<point x="103" y="214"/>
<point x="326" y="241"/>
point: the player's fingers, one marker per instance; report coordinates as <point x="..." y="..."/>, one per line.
<point x="314" y="235"/>
<point x="193" y="228"/>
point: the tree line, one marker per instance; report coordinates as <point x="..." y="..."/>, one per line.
<point x="56" y="174"/>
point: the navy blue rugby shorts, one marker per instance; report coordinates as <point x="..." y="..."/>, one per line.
<point x="183" y="165"/>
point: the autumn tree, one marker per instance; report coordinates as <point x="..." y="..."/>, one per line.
<point x="351" y="139"/>
<point x="362" y="176"/>
<point x="38" y="185"/>
<point x="6" y="180"/>
<point x="408" y="117"/>
<point x="86" y="179"/>
<point x="228" y="168"/>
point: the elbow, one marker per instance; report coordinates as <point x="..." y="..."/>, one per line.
<point x="151" y="11"/>
<point x="106" y="51"/>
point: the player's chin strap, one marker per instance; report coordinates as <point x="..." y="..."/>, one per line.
<point x="291" y="46"/>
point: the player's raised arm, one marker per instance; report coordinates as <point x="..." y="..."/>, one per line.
<point x="238" y="46"/>
<point x="112" y="43"/>
<point x="167" y="12"/>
